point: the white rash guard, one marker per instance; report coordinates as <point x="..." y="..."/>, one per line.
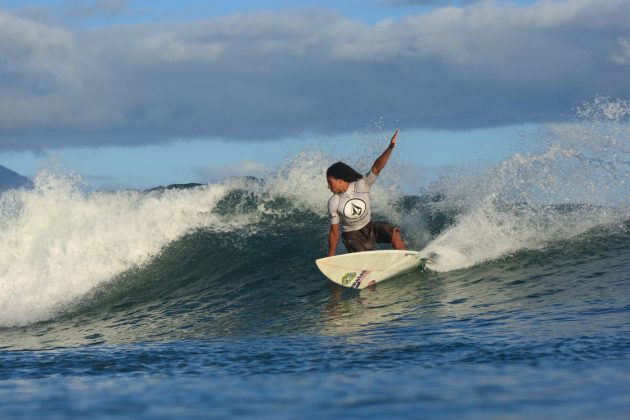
<point x="352" y="208"/>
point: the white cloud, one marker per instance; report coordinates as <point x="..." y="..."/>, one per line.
<point x="270" y="75"/>
<point x="36" y="56"/>
<point x="93" y="8"/>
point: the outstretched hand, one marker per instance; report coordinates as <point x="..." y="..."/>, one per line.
<point x="380" y="163"/>
<point x="394" y="138"/>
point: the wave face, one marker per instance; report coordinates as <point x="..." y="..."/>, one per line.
<point x="203" y="260"/>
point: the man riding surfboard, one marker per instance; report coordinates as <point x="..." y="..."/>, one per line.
<point x="350" y="207"/>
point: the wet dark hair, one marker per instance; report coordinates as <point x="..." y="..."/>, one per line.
<point x="340" y="170"/>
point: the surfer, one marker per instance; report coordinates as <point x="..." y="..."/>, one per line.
<point x="350" y="207"/>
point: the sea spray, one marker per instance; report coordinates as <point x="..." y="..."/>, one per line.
<point x="59" y="242"/>
<point x="303" y="179"/>
<point x="578" y="181"/>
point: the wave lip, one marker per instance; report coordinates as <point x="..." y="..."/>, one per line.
<point x="59" y="243"/>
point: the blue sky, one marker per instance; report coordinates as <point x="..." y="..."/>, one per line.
<point x="431" y="153"/>
<point x="140" y="93"/>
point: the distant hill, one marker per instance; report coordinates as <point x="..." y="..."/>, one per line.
<point x="10" y="179"/>
<point x="176" y="187"/>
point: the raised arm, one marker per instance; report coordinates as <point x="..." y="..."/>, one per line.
<point x="381" y="161"/>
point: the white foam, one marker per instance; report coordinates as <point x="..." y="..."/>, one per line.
<point x="58" y="243"/>
<point x="578" y="182"/>
<point x="489" y="231"/>
<point x="303" y="178"/>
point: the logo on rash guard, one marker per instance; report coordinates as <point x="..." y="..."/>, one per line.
<point x="354" y="209"/>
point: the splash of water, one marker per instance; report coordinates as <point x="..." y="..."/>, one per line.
<point x="577" y="182"/>
<point x="58" y="242"/>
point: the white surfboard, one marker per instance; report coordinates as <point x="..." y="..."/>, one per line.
<point x="359" y="270"/>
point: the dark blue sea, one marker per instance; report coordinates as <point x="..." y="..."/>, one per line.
<point x="200" y="301"/>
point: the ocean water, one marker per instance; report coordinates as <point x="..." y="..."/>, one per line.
<point x="204" y="301"/>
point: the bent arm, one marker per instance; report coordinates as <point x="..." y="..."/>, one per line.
<point x="381" y="161"/>
<point x="333" y="239"/>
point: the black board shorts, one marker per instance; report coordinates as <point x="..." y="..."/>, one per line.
<point x="366" y="238"/>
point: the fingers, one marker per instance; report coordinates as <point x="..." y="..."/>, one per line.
<point x="395" y="137"/>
